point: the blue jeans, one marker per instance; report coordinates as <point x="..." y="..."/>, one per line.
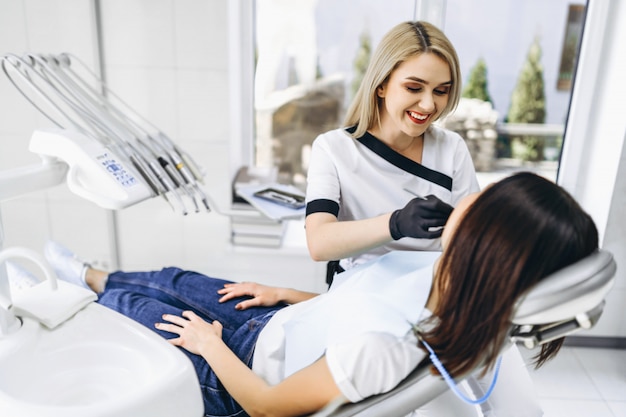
<point x="146" y="296"/>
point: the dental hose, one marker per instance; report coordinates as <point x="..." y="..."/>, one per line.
<point x="450" y="381"/>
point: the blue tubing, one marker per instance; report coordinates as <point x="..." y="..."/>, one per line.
<point x="453" y="386"/>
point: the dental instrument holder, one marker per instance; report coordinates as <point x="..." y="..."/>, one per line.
<point x="71" y="102"/>
<point x="95" y="173"/>
<point x="50" y="302"/>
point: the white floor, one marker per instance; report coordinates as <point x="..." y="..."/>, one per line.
<point x="583" y="382"/>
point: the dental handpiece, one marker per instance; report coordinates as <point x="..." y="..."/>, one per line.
<point x="159" y="172"/>
<point x="170" y="171"/>
<point x="168" y="185"/>
<point x="180" y="177"/>
<point x="161" y="155"/>
<point x="197" y="172"/>
<point x="183" y="161"/>
<point x="203" y="197"/>
<point x="182" y="168"/>
<point x="145" y="174"/>
<point x="170" y="148"/>
<point x="176" y="179"/>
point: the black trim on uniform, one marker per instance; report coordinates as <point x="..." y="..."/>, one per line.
<point x="381" y="149"/>
<point x="322" y="205"/>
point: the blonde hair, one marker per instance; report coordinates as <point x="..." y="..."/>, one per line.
<point x="404" y="41"/>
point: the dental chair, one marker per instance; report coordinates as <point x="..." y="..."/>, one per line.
<point x="567" y="301"/>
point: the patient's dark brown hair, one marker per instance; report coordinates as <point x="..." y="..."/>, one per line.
<point x="514" y="234"/>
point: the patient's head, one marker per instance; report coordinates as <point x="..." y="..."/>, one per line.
<point x="497" y="245"/>
<point x="456" y="216"/>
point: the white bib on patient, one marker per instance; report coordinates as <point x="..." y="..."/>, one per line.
<point x="384" y="295"/>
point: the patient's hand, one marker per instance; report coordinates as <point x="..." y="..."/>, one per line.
<point x="194" y="333"/>
<point x="262" y="295"/>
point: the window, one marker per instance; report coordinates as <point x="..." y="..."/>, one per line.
<point x="309" y="54"/>
<point x="309" y="58"/>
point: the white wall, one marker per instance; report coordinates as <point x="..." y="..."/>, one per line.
<point x="612" y="322"/>
<point x="169" y="60"/>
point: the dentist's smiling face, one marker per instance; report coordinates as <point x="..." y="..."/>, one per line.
<point x="415" y="94"/>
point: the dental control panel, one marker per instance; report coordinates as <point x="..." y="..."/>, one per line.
<point x="117" y="170"/>
<point x="95" y="173"/>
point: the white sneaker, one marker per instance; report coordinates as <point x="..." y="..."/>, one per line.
<point x="19" y="278"/>
<point x="66" y="264"/>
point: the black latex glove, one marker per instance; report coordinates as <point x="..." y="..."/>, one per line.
<point x="418" y="216"/>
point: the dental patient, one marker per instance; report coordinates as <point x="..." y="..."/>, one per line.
<point x="261" y="350"/>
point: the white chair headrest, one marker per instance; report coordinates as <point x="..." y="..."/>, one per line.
<point x="575" y="289"/>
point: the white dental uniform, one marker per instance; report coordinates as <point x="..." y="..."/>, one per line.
<point x="357" y="179"/>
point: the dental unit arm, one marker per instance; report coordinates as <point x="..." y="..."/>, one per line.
<point x="116" y="157"/>
<point x="567" y="301"/>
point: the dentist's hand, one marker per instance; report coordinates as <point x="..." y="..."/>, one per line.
<point x="262" y="295"/>
<point x="194" y="334"/>
<point x="418" y="216"/>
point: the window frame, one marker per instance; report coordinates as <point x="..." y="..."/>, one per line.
<point x="241" y="83"/>
<point x="589" y="169"/>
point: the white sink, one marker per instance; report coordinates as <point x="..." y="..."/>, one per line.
<point x="98" y="363"/>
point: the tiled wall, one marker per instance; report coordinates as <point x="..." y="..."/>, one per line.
<point x="169" y="59"/>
